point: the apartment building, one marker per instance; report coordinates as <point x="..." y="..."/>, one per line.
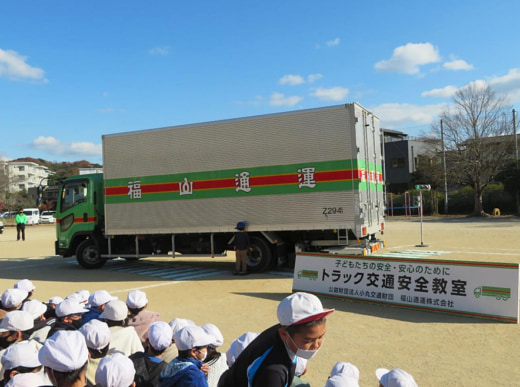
<point x="23" y="175"/>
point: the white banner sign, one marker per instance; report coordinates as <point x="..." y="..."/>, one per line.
<point x="475" y="289"/>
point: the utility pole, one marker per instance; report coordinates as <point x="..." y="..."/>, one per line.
<point x="517" y="194"/>
<point x="421" y="188"/>
<point x="514" y="131"/>
<point x="445" y="174"/>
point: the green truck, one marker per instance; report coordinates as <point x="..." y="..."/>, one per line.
<point x="311" y="274"/>
<point x="492" y="291"/>
<point x="302" y="181"/>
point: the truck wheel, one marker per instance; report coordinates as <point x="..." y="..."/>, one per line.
<point x="260" y="257"/>
<point x="88" y="255"/>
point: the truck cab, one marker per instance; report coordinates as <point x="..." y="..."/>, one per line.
<point x="79" y="215"/>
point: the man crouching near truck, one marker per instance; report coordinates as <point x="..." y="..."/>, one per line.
<point x="242" y="245"/>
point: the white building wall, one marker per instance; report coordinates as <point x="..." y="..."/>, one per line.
<point x="24" y="175"/>
<point x="87" y="171"/>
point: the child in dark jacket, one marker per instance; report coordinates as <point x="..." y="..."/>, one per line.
<point x="187" y="369"/>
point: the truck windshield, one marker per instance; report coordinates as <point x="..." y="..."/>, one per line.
<point x="73" y="193"/>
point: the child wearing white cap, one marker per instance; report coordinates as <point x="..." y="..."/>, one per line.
<point x="42" y="325"/>
<point x="97" y="302"/>
<point x="27" y="285"/>
<point x="343" y="375"/>
<point x="148" y="365"/>
<point x="216" y="362"/>
<point x="186" y="370"/>
<point x="176" y="324"/>
<point x="115" y="371"/>
<point x="69" y="316"/>
<point x="12" y="299"/>
<point x="51" y="306"/>
<point x="139" y="317"/>
<point x="123" y="338"/>
<point x="238" y="345"/>
<point x="21" y="357"/>
<point x="15" y="327"/>
<point x="65" y="358"/>
<point x="270" y="360"/>
<point x="395" y="378"/>
<point x="97" y="337"/>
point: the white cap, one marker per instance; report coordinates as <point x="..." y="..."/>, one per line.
<point x="12" y="298"/>
<point x="179" y="323"/>
<point x="115" y="310"/>
<point x="97" y="334"/>
<point x="344" y="368"/>
<point x="343" y="375"/>
<point x="115" y="371"/>
<point x="55" y="300"/>
<point x="74" y="296"/>
<point x="69" y="306"/>
<point x="64" y="351"/>
<point x="300" y="308"/>
<point x="136" y="299"/>
<point x="83" y="296"/>
<point x="100" y="297"/>
<point x="35" y="308"/>
<point x="342" y="381"/>
<point x="191" y="337"/>
<point x="238" y="345"/>
<point x="395" y="378"/>
<point x="25" y="284"/>
<point x="21" y="354"/>
<point x="17" y="320"/>
<point x="213" y="331"/>
<point x="160" y="335"/>
<point x="29" y="379"/>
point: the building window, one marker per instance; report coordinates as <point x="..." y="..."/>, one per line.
<point x="398" y="163"/>
<point x="21" y="168"/>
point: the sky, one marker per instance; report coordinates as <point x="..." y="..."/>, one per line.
<point x="73" y="71"/>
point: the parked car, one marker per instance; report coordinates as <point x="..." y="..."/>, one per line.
<point x="47" y="217"/>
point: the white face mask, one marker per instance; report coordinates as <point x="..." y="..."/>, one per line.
<point x="205" y="354"/>
<point x="303" y="353"/>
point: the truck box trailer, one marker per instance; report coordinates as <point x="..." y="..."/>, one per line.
<point x="301" y="180"/>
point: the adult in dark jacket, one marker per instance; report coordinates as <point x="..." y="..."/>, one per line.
<point x="270" y="360"/>
<point x="148" y="365"/>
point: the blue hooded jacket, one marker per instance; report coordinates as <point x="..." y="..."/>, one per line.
<point x="183" y="373"/>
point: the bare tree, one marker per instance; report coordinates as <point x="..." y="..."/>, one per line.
<point x="475" y="129"/>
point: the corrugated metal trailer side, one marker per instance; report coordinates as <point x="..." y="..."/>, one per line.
<point x="305" y="170"/>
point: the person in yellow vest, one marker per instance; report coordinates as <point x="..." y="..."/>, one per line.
<point x="21" y="219"/>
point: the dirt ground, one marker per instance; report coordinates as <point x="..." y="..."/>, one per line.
<point x="439" y="350"/>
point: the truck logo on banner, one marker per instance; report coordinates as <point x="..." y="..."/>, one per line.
<point x="453" y="287"/>
<point x="489" y="291"/>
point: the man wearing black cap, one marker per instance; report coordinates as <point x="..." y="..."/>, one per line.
<point x="270" y="360"/>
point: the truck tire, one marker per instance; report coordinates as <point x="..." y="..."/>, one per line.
<point x="260" y="257"/>
<point x="88" y="255"/>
